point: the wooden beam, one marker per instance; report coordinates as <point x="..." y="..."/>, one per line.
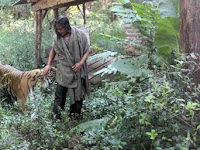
<point x="45" y="4"/>
<point x="58" y="4"/>
<point x="38" y="38"/>
<point x="32" y="1"/>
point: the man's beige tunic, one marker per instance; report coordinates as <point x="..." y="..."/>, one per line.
<point x="70" y="53"/>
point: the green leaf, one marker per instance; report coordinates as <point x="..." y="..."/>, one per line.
<point x="167" y="35"/>
<point x="149" y="98"/>
<point x="169" y="8"/>
<point x="93" y="125"/>
<point x="133" y="67"/>
<point x="198" y="127"/>
<point x="117" y="9"/>
<point x="152" y="134"/>
<point x="157" y="59"/>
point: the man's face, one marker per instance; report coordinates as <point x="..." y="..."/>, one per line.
<point x="61" y="30"/>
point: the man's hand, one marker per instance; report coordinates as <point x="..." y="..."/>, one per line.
<point x="77" y="67"/>
<point x="46" y="69"/>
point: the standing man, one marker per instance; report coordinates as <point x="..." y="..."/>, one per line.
<point x="72" y="48"/>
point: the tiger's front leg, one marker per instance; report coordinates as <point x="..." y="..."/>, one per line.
<point x="23" y="94"/>
<point x="22" y="101"/>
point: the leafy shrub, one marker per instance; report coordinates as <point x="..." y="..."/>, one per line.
<point x="159" y="28"/>
<point x="18" y="43"/>
<point x="36" y="129"/>
<point x="154" y="113"/>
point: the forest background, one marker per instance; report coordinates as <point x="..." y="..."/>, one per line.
<point x="151" y="104"/>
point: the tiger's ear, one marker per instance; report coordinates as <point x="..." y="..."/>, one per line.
<point x="41" y="73"/>
<point x="53" y="69"/>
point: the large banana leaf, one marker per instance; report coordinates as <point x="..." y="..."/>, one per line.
<point x="167" y="35"/>
<point x="137" y="67"/>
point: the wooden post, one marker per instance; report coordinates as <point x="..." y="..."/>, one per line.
<point x="190" y="33"/>
<point x="84" y="15"/>
<point x="56" y="13"/>
<point x="38" y="38"/>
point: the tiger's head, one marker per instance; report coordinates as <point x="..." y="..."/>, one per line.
<point x="36" y="75"/>
<point x="47" y="81"/>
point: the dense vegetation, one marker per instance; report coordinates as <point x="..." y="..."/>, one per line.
<point x="150" y="105"/>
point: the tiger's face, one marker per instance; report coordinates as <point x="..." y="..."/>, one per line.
<point x="47" y="81"/>
<point x="36" y="75"/>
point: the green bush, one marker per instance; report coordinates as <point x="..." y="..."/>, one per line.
<point x="151" y="110"/>
<point x="146" y="115"/>
<point x="35" y="129"/>
<point x="18" y="43"/>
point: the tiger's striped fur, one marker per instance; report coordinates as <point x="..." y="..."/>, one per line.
<point x="20" y="84"/>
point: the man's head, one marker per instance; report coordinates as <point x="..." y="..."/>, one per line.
<point x="62" y="26"/>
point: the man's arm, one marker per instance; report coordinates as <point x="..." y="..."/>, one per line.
<point x="52" y="55"/>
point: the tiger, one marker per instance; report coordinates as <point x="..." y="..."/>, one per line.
<point x="20" y="84"/>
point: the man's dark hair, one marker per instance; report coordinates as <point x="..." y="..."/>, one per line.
<point x="63" y="21"/>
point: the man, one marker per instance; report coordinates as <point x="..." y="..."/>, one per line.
<point x="72" y="48"/>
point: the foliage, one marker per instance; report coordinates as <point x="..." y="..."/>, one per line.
<point x="6" y="3"/>
<point x="18" y="43"/>
<point x="160" y="34"/>
<point x="169" y="41"/>
<point x="151" y="114"/>
<point x="165" y="5"/>
<point x="106" y="34"/>
<point x="91" y="125"/>
<point x="144" y="108"/>
<point x="35" y="129"/>
<point x="109" y="36"/>
<point x="137" y="67"/>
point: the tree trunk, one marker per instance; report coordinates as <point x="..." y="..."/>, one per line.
<point x="190" y="26"/>
<point x="190" y="34"/>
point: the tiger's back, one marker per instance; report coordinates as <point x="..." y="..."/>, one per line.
<point x="20" y="84"/>
<point x="7" y="74"/>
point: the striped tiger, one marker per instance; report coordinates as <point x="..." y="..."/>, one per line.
<point x="19" y="84"/>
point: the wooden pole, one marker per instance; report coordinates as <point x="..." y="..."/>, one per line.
<point x="38" y="38"/>
<point x="84" y="15"/>
<point x="56" y="13"/>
